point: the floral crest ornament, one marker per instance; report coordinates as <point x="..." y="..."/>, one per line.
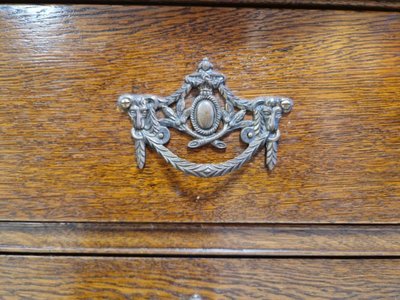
<point x="206" y="121"/>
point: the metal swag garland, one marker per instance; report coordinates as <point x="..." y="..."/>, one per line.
<point x="206" y="121"/>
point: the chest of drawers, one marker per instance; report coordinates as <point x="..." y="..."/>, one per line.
<point x="79" y="220"/>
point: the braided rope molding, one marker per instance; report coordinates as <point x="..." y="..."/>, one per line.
<point x="207" y="170"/>
<point x="271" y="154"/>
<point x="140" y="149"/>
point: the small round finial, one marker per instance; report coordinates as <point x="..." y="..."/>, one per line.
<point x="205" y="64"/>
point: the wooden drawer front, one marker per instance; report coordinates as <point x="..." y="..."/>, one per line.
<point x="67" y="154"/>
<point x="173" y="278"/>
<point x="248" y="240"/>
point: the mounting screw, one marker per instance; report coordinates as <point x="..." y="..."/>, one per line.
<point x="125" y="102"/>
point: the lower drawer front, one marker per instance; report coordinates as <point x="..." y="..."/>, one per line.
<point x="33" y="277"/>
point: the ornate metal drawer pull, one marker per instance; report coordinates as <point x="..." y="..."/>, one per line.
<point x="209" y="122"/>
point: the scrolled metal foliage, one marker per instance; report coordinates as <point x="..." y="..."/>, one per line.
<point x="206" y="121"/>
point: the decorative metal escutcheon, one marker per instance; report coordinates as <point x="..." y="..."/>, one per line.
<point x="213" y="113"/>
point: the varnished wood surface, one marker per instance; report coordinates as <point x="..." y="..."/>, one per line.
<point x="199" y="239"/>
<point x="366" y="4"/>
<point x="66" y="153"/>
<point x="170" y="278"/>
<point x="371" y="4"/>
<point x="325" y="4"/>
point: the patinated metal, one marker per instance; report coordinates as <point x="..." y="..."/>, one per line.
<point x="206" y="121"/>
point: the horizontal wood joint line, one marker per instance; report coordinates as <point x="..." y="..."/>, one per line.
<point x="200" y="239"/>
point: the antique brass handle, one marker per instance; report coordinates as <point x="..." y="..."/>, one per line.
<point x="206" y="121"/>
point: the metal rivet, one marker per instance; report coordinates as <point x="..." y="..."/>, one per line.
<point x="286" y="105"/>
<point x="125" y="102"/>
<point x="195" y="297"/>
<point x="160" y="135"/>
<point x="250" y="134"/>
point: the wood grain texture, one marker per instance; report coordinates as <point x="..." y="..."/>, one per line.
<point x="66" y="153"/>
<point x="329" y="4"/>
<point x="200" y="239"/>
<point x="370" y="4"/>
<point x="168" y="278"/>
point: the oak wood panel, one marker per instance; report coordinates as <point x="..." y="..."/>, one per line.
<point x="66" y="153"/>
<point x="371" y="4"/>
<point x="329" y="4"/>
<point x="169" y="278"/>
<point x="200" y="239"/>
